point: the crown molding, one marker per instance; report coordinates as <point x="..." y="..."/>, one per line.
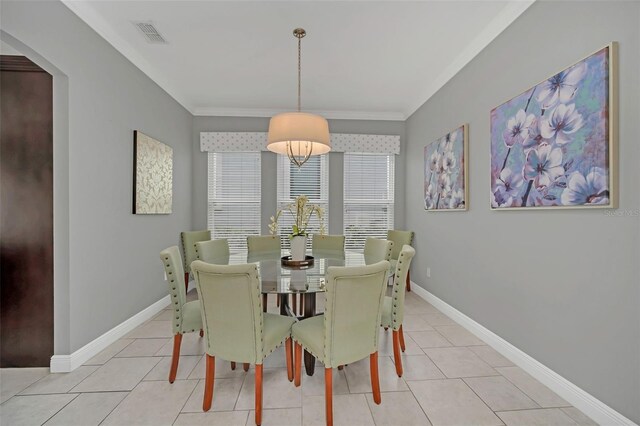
<point x="85" y="12"/>
<point x="332" y="115"/>
<point x="506" y="17"/>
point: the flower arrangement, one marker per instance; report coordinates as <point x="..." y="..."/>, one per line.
<point x="302" y="212"/>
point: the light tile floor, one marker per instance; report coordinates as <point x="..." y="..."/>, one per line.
<point x="450" y="378"/>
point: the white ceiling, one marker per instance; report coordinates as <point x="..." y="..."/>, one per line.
<point x="360" y="59"/>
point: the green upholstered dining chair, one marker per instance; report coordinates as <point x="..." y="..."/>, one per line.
<point x="400" y="239"/>
<point x="327" y="242"/>
<point x="262" y="244"/>
<point x="207" y="251"/>
<point x="189" y="240"/>
<point x="321" y="245"/>
<point x="344" y="335"/>
<point x="393" y="306"/>
<point x="235" y="326"/>
<point x="186" y="315"/>
<point x="376" y="250"/>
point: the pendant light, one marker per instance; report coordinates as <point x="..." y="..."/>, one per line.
<point x="298" y="135"/>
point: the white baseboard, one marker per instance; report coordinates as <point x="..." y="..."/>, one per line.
<point x="67" y="363"/>
<point x="585" y="402"/>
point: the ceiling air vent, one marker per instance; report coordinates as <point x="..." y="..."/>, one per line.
<point x="150" y="32"/>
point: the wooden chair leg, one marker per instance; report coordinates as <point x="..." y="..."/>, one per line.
<point x="298" y="364"/>
<point x="208" y="382"/>
<point x="233" y="365"/>
<point x="401" y="334"/>
<point x="409" y="281"/>
<point x="186" y="282"/>
<point x="328" y="395"/>
<point x="258" y="394"/>
<point x="264" y="302"/>
<point x="289" y="356"/>
<point x="375" y="380"/>
<point x="294" y="303"/>
<point x="396" y="353"/>
<point x="245" y="366"/>
<point x="175" y="358"/>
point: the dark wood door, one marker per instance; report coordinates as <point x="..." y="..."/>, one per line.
<point x="26" y="213"/>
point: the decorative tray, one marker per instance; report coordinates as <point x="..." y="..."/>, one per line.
<point x="287" y="261"/>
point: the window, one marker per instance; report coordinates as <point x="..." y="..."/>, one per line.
<point x="368" y="197"/>
<point x="234" y="196"/>
<point x="312" y="180"/>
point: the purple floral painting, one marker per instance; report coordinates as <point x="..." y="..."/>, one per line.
<point x="550" y="145"/>
<point x="445" y="186"/>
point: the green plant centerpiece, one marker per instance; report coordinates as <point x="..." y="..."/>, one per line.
<point x="302" y="212"/>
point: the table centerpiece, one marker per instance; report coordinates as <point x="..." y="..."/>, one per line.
<point x="302" y="211"/>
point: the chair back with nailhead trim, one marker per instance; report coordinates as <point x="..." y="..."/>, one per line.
<point x="231" y="309"/>
<point x="213" y="251"/>
<point x="400" y="239"/>
<point x="189" y="240"/>
<point x="327" y="242"/>
<point x="263" y="243"/>
<point x="376" y="250"/>
<point x="352" y="312"/>
<point x="398" y="290"/>
<point x="172" y="262"/>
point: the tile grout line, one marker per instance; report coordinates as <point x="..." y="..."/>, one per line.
<point x="480" y="398"/>
<point x="419" y="405"/>
<point x="61" y="408"/>
<point x="114" y="408"/>
<point x="534" y="409"/>
<point x="244" y="379"/>
<point x="187" y="400"/>
<point x="433" y="362"/>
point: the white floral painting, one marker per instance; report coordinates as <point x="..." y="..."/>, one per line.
<point x="153" y="175"/>
<point x="445" y="174"/>
<point x="551" y="145"/>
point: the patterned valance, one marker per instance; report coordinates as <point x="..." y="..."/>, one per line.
<point x="257" y="141"/>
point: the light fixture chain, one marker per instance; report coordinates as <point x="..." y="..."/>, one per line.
<point x="299" y="73"/>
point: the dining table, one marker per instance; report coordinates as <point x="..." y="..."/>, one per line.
<point x="308" y="281"/>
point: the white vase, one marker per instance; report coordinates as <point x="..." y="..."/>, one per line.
<point x="298" y="247"/>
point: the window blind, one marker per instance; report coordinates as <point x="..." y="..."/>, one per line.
<point x="312" y="180"/>
<point x="234" y="196"/>
<point x="368" y="197"/>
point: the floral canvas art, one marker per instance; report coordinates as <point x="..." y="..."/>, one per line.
<point x="551" y="146"/>
<point x="445" y="174"/>
<point x="153" y="175"/>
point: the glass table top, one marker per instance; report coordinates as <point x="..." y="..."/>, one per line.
<point x="277" y="278"/>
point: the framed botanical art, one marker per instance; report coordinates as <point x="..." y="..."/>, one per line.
<point x="152" y="174"/>
<point x="445" y="172"/>
<point x="553" y="146"/>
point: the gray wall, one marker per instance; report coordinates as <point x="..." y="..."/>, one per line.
<point x="269" y="161"/>
<point x="113" y="266"/>
<point x="562" y="286"/>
